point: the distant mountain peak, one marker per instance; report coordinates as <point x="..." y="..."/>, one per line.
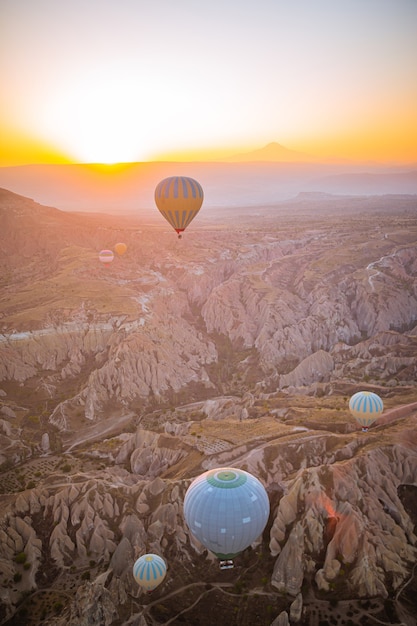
<point x="272" y="151"/>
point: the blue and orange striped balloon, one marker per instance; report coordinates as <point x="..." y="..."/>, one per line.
<point x="179" y="199"/>
<point x="149" y="571"/>
<point x="365" y="407"/>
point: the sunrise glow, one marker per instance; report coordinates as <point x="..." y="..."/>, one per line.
<point x="204" y="85"/>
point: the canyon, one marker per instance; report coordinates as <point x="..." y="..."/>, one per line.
<point x="238" y="345"/>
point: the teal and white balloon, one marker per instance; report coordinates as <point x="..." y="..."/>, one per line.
<point x="149" y="571"/>
<point x="226" y="509"/>
<point x="365" y="406"/>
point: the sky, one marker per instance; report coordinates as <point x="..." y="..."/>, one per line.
<point x="107" y="81"/>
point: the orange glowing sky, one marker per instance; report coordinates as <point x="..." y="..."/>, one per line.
<point x="138" y="80"/>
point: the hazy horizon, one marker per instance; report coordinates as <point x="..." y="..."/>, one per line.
<point x="129" y="188"/>
<point x="272" y="152"/>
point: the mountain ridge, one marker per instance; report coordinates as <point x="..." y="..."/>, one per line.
<point x="131" y="187"/>
<point x="272" y="151"/>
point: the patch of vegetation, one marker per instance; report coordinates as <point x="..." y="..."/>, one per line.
<point x="20" y="558"/>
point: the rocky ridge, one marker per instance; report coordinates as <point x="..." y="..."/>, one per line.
<point x="227" y="348"/>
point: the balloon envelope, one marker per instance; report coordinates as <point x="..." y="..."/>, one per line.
<point x="179" y="199"/>
<point x="106" y="256"/>
<point x="149" y="571"/>
<point x="120" y="248"/>
<point x="365" y="407"/>
<point x="226" y="509"/>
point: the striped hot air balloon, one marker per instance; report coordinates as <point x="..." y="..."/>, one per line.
<point x="106" y="256"/>
<point x="226" y="509"/>
<point x="179" y="199"/>
<point x="365" y="407"/>
<point x="149" y="571"/>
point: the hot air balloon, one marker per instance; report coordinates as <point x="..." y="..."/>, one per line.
<point x="120" y="248"/>
<point x="149" y="571"/>
<point x="179" y="199"/>
<point x="365" y="407"/>
<point x="226" y="509"/>
<point x="106" y="256"/>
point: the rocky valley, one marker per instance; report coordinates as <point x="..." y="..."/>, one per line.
<point x="238" y="345"/>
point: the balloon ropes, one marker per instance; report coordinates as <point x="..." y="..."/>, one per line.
<point x="226" y="509"/>
<point x="149" y="571"/>
<point x="106" y="256"/>
<point x="120" y="248"/>
<point x="179" y="199"/>
<point x="365" y="406"/>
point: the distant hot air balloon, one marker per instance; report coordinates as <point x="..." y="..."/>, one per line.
<point x="226" y="509"/>
<point x="149" y="571"/>
<point x="120" y="248"/>
<point x="365" y="407"/>
<point x="179" y="199"/>
<point x="106" y="256"/>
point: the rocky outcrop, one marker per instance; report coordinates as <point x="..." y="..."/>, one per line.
<point x="141" y="366"/>
<point x="339" y="522"/>
<point x="150" y="454"/>
<point x="55" y="349"/>
<point x="93" y="605"/>
<point x="314" y="368"/>
<point x="288" y="572"/>
<point x="352" y="513"/>
<point x="387" y="356"/>
<point x="281" y="620"/>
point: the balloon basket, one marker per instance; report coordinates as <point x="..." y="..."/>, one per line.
<point x="227" y="564"/>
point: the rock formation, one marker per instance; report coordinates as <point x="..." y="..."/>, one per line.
<point x="242" y="347"/>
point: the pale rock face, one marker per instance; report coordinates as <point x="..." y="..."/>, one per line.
<point x="8" y="412"/>
<point x="6" y="428"/>
<point x="316" y="367"/>
<point x="133" y="530"/>
<point x="281" y="620"/>
<point x="287" y="513"/>
<point x="296" y="608"/>
<point x="150" y="453"/>
<point x="45" y="446"/>
<point x="124" y="553"/>
<point x="288" y="572"/>
<point x="220" y="408"/>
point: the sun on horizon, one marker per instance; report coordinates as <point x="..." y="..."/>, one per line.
<point x="107" y="82"/>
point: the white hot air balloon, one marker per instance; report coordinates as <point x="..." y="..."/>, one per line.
<point x="365" y="406"/>
<point x="149" y="571"/>
<point x="226" y="509"/>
